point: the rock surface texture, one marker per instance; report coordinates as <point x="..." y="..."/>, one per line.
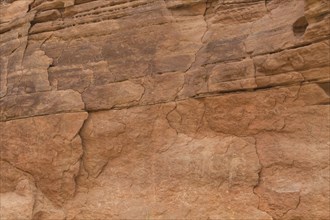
<point x="164" y="109"/>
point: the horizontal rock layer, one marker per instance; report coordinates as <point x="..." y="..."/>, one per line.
<point x="164" y="109"/>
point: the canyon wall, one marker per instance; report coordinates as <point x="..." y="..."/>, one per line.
<point x="164" y="109"/>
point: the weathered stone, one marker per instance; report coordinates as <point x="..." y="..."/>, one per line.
<point x="18" y="204"/>
<point x="195" y="109"/>
<point x="43" y="103"/>
<point x="47" y="16"/>
<point x="293" y="179"/>
<point x="274" y="32"/>
<point x="48" y="148"/>
<point x="156" y="85"/>
<point x="302" y="58"/>
<point x="159" y="164"/>
<point x="113" y="94"/>
<point x="16" y="9"/>
<point x="232" y="76"/>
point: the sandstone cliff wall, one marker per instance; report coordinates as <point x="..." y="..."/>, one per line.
<point x="164" y="109"/>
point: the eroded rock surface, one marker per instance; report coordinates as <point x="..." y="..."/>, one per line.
<point x="164" y="109"/>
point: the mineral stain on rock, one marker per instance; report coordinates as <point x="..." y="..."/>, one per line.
<point x="164" y="109"/>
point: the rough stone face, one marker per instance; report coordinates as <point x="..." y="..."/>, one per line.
<point x="48" y="148"/>
<point x="164" y="109"/>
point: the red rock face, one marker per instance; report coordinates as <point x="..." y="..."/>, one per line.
<point x="164" y="109"/>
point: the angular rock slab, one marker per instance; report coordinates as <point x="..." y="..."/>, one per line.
<point x="48" y="148"/>
<point x="216" y="157"/>
<point x="152" y="171"/>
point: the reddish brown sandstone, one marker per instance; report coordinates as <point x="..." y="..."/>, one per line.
<point x="164" y="109"/>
